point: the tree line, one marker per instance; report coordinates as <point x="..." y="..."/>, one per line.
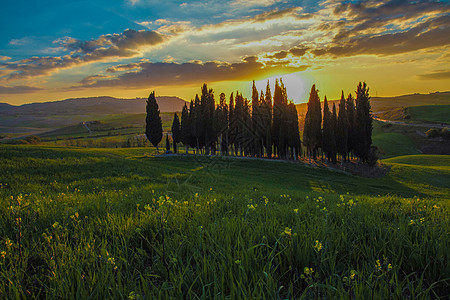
<point x="345" y="134"/>
<point x="267" y="125"/>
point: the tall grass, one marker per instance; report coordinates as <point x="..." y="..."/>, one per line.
<point x="124" y="224"/>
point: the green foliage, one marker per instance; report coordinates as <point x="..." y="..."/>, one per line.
<point x="312" y="134"/>
<point x="167" y="144"/>
<point x="363" y="122"/>
<point x="153" y="128"/>
<point x="373" y="156"/>
<point x="176" y="130"/>
<point x="350" y="109"/>
<point x="121" y="223"/>
<point x="342" y="129"/>
<point x="328" y="136"/>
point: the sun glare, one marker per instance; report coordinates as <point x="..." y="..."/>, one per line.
<point x="297" y="86"/>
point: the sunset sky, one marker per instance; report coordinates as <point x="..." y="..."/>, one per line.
<point x="52" y="50"/>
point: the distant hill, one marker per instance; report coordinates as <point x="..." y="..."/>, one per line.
<point x="36" y="118"/>
<point x="93" y="105"/>
<point x="5" y="107"/>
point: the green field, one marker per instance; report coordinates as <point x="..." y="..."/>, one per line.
<point x="123" y="223"/>
<point x="394" y="141"/>
<point x="419" y="114"/>
<point x="430" y="113"/>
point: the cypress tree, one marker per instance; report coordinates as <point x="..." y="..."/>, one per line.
<point x="207" y="135"/>
<point x="312" y="133"/>
<point x="256" y="122"/>
<point x="185" y="135"/>
<point x="231" y="125"/>
<point x="197" y="128"/>
<point x="176" y="132"/>
<point x="277" y="116"/>
<point x="220" y="122"/>
<point x="350" y="108"/>
<point x="333" y="122"/>
<point x="293" y="132"/>
<point x="263" y="125"/>
<point x="248" y="136"/>
<point x="342" y="129"/>
<point x="167" y="143"/>
<point x="153" y="128"/>
<point x="363" y="122"/>
<point x="326" y="131"/>
<point x="268" y="119"/>
<point x="239" y="123"/>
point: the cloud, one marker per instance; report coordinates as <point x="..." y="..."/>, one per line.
<point x="124" y="67"/>
<point x="429" y="34"/>
<point x="4" y="57"/>
<point x="377" y="15"/>
<point x="18" y="89"/>
<point x="298" y="52"/>
<point x="435" y="75"/>
<point x="124" y="45"/>
<point x="254" y="3"/>
<point x="169" y="74"/>
<point x="92" y="79"/>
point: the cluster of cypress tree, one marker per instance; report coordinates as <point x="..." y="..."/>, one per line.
<point x="240" y="127"/>
<point x="346" y="134"/>
<point x="268" y="126"/>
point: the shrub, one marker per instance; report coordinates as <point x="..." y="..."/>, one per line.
<point x="373" y="156"/>
<point x="445" y="133"/>
<point x="432" y="133"/>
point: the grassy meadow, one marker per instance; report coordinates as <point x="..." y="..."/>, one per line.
<point x="124" y="223"/>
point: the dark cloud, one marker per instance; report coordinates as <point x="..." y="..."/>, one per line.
<point x="125" y="67"/>
<point x="366" y="15"/>
<point x="429" y="34"/>
<point x="298" y="51"/>
<point x="18" y="89"/>
<point x="166" y="74"/>
<point x="91" y="79"/>
<point x="293" y="51"/>
<point x="438" y="74"/>
<point x="277" y="14"/>
<point x="129" y="39"/>
<point x="122" y="45"/>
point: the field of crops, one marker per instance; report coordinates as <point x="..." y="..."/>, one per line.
<point x="124" y="223"/>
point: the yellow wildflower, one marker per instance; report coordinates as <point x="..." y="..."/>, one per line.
<point x="308" y="271"/>
<point x="378" y="265"/>
<point x="288" y="231"/>
<point x="8" y="243"/>
<point x="318" y="246"/>
<point x="250" y="206"/>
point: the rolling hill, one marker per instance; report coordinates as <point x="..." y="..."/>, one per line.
<point x="36" y="118"/>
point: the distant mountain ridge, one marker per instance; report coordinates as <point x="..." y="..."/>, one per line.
<point x="93" y="105"/>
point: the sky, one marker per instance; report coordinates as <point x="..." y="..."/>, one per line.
<point x="53" y="50"/>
